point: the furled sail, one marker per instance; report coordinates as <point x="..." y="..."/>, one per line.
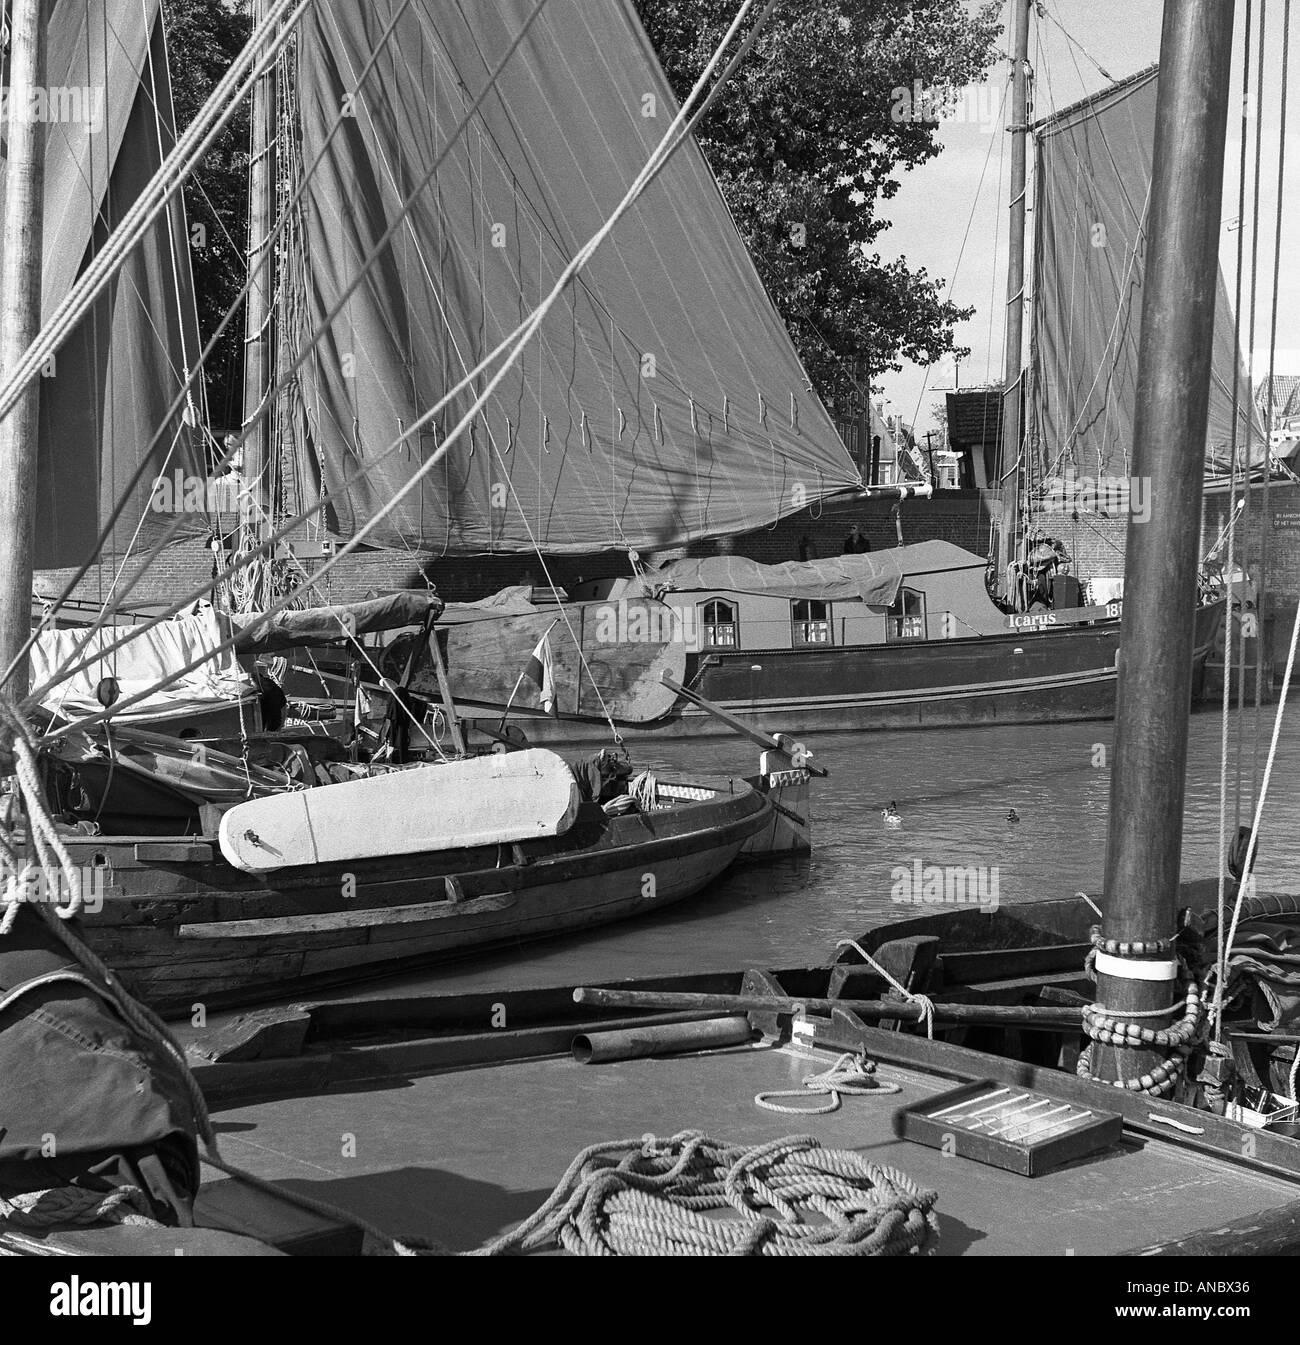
<point x="662" y="399"/>
<point x="109" y="113"/>
<point x="1094" y="182"/>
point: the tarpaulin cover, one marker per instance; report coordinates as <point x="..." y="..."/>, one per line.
<point x="514" y="600"/>
<point x="72" y="1068"/>
<point x="873" y="578"/>
<point x="148" y="659"/>
<point x="109" y="125"/>
<point x="259" y="634"/>
<point x="1094" y="182"/>
<point x="662" y="400"/>
<point x="1265" y="960"/>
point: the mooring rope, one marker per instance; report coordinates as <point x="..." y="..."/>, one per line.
<point x="649" y="1198"/>
<point x="923" y="1002"/>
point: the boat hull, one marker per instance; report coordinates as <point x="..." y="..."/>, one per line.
<point x="183" y="927"/>
<point x="1024" y="677"/>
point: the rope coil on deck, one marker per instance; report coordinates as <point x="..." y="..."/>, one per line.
<point x="649" y="1198"/>
<point x="852" y="1074"/>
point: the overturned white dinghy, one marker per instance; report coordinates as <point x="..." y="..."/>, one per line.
<point x="501" y="798"/>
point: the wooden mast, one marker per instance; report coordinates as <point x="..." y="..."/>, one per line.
<point x="259" y="350"/>
<point x="1147" y="780"/>
<point x="1011" y="378"/>
<point x="20" y="320"/>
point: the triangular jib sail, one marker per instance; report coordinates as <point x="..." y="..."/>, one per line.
<point x="1090" y="246"/>
<point x="662" y="399"/>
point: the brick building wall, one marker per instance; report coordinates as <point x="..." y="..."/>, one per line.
<point x="1282" y="582"/>
<point x="1095" y="542"/>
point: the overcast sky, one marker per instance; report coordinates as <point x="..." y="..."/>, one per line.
<point x="930" y="213"/>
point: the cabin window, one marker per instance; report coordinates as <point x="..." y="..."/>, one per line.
<point x="721" y="630"/>
<point x="905" y="619"/>
<point x="810" y="621"/>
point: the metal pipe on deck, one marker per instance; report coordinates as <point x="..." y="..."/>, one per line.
<point x="597" y="1048"/>
<point x="1154" y="692"/>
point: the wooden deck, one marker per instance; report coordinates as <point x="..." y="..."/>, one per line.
<point x="461" y="1157"/>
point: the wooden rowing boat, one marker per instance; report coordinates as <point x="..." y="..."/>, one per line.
<point x="184" y="926"/>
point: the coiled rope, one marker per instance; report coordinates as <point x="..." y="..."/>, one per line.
<point x="852" y="1074"/>
<point x="794" y="1198"/>
<point x="643" y="789"/>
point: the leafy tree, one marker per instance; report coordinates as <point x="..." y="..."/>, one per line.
<point x="808" y="136"/>
<point x="939" y="421"/>
<point x="204" y="37"/>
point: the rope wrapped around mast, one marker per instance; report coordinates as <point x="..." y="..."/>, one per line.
<point x="1113" y="1027"/>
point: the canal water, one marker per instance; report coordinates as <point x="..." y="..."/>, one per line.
<point x="953" y="789"/>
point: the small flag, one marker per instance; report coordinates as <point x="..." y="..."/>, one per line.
<point x="542" y="674"/>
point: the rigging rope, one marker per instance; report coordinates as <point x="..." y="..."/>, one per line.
<point x="1246" y="882"/>
<point x="1250" y="416"/>
<point x="1225" y="945"/>
<point x="1272" y="371"/>
<point x="1230" y="565"/>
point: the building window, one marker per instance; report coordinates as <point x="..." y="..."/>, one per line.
<point x="905" y="619"/>
<point x="810" y="622"/>
<point x="720" y="628"/>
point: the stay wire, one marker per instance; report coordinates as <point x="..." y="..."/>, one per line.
<point x="1272" y="374"/>
<point x="1240" y="728"/>
<point x="1229" y="571"/>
